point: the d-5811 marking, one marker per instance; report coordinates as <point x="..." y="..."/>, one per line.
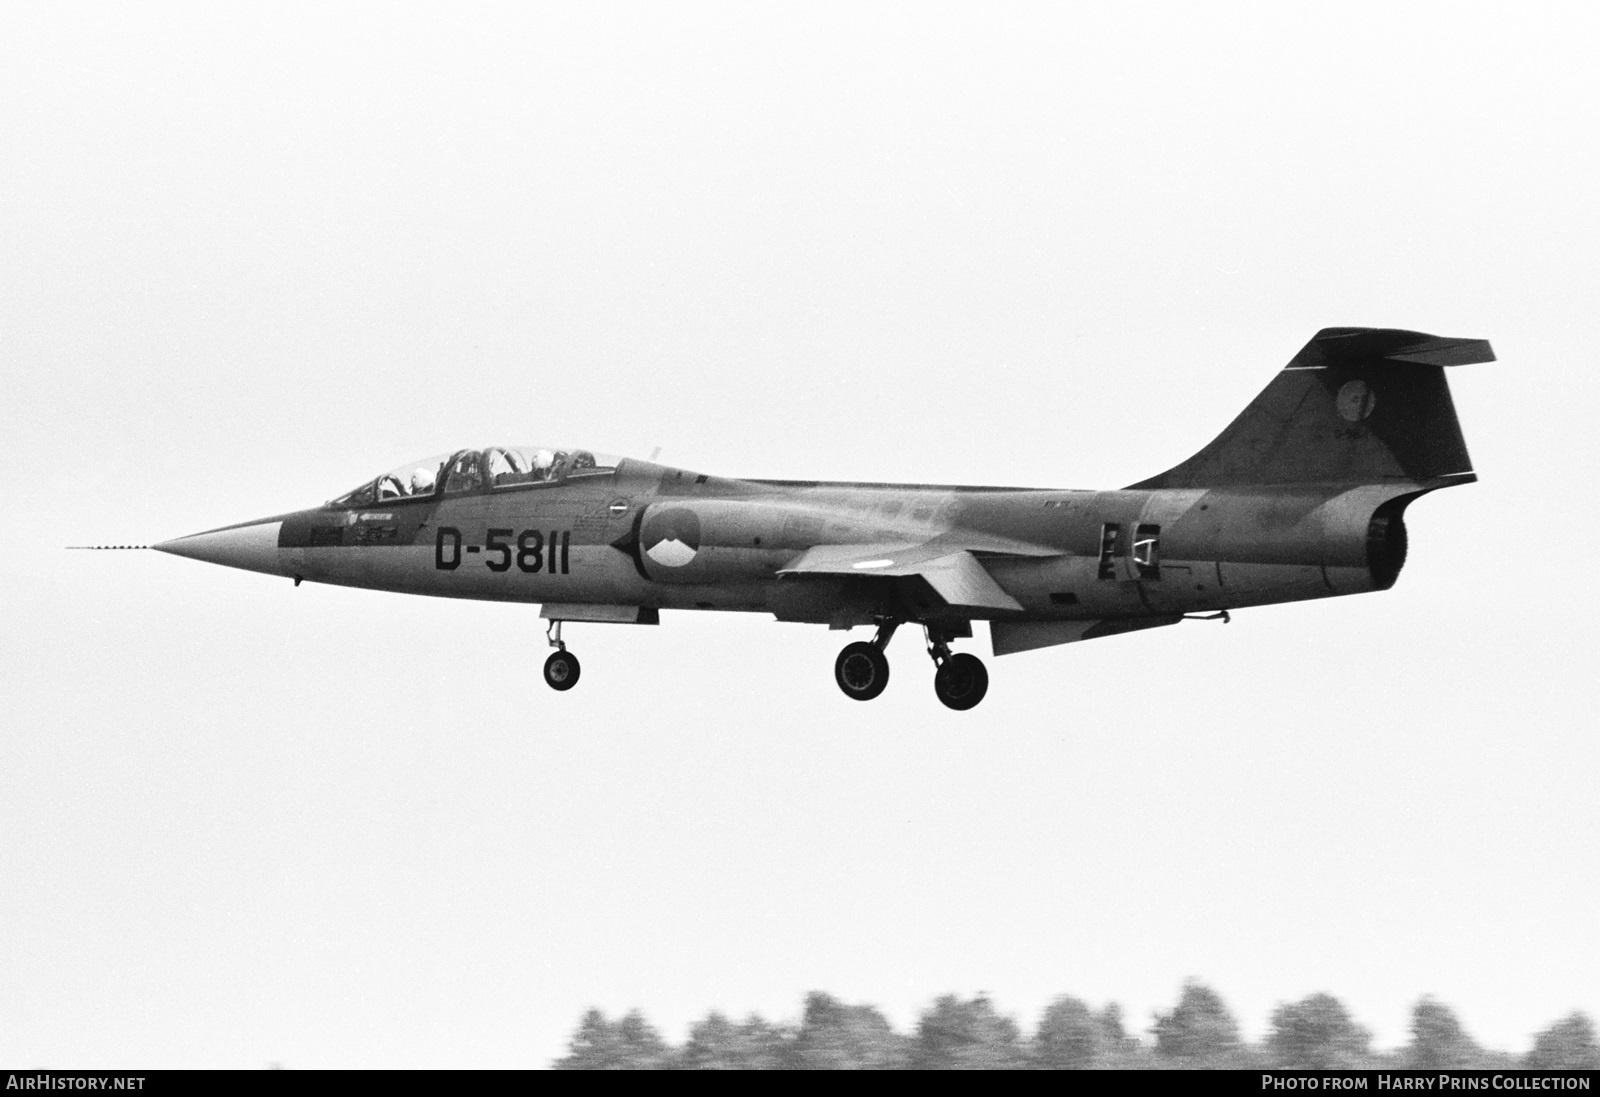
<point x="530" y="553"/>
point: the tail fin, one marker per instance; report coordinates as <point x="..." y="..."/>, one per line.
<point x="1356" y="405"/>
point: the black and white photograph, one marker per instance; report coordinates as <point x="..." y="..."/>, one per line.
<point x="871" y="535"/>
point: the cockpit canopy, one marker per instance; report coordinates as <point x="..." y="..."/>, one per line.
<point x="494" y="469"/>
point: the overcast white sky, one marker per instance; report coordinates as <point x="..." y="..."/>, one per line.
<point x="250" y="256"/>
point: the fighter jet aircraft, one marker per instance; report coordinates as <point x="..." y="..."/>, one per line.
<point x="1302" y="496"/>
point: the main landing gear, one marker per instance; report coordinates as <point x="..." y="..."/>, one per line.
<point x="561" y="669"/>
<point x="961" y="680"/>
<point x="862" y="669"/>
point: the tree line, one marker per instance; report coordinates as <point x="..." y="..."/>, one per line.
<point x="1315" y="1033"/>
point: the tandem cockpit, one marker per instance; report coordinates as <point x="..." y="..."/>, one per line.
<point x="497" y="468"/>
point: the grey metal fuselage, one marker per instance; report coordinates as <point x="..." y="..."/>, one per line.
<point x="1139" y="557"/>
<point x="1301" y="496"/>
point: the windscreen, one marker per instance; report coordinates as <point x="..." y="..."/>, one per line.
<point x="412" y="480"/>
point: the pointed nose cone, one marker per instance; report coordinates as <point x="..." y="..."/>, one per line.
<point x="252" y="546"/>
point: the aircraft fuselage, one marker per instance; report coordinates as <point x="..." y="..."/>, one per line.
<point x="1062" y="555"/>
<point x="1301" y="497"/>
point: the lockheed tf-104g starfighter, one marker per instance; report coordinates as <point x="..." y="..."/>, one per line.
<point x="1302" y="496"/>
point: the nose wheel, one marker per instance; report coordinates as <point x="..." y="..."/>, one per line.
<point x="561" y="669"/>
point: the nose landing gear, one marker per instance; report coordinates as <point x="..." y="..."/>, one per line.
<point x="561" y="669"/>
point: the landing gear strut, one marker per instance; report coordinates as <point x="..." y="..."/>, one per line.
<point x="561" y="669"/>
<point x="862" y="669"/>
<point x="960" y="680"/>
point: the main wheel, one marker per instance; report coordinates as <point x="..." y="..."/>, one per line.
<point x="961" y="681"/>
<point x="561" y="670"/>
<point x="861" y="671"/>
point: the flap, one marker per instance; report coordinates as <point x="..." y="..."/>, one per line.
<point x="957" y="577"/>
<point x="962" y="581"/>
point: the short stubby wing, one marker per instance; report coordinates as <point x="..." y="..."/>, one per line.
<point x="957" y="576"/>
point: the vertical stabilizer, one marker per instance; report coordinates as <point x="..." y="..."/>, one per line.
<point x="1355" y="406"/>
